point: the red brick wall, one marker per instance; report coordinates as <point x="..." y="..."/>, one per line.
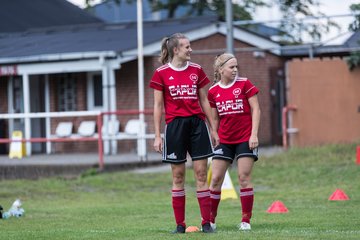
<point x="256" y="69"/>
<point x="127" y="96"/>
<point x="81" y="98"/>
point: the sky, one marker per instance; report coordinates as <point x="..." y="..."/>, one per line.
<point x="328" y="7"/>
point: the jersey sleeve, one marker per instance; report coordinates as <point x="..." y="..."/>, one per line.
<point x="203" y="79"/>
<point x="211" y="99"/>
<point x="156" y="82"/>
<point x="250" y="89"/>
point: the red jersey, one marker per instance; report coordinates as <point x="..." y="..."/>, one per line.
<point x="234" y="109"/>
<point x="180" y="87"/>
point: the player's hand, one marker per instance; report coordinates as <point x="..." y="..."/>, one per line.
<point x="253" y="142"/>
<point x="215" y="139"/>
<point x="158" y="144"/>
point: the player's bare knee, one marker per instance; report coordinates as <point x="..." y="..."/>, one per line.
<point x="216" y="181"/>
<point x="178" y="179"/>
<point x="244" y="180"/>
<point x="201" y="175"/>
<point x="201" y="179"/>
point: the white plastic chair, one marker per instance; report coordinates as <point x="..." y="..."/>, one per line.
<point x="131" y="131"/>
<point x="87" y="128"/>
<point x="113" y="128"/>
<point x="132" y="126"/>
<point x="64" y="129"/>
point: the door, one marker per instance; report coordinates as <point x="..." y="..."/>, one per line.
<point x="277" y="91"/>
<point x="16" y="103"/>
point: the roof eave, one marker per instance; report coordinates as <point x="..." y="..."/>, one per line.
<point x="59" y="57"/>
<point x="323" y="51"/>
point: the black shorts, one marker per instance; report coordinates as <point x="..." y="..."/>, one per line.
<point x="186" y="135"/>
<point x="229" y="152"/>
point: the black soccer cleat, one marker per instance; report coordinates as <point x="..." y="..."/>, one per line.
<point x="179" y="229"/>
<point x="206" y="228"/>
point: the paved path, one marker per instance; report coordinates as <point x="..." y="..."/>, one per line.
<point x="75" y="159"/>
<point x="69" y="165"/>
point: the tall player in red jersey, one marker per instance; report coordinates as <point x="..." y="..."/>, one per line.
<point x="236" y="112"/>
<point x="179" y="87"/>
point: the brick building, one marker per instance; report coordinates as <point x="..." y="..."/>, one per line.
<point x="69" y="68"/>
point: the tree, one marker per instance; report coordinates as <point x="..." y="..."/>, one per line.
<point x="89" y="3"/>
<point x="300" y="21"/>
<point x="169" y="5"/>
<point x="353" y="60"/>
<point x="199" y="7"/>
<point x="292" y="25"/>
<point x="355" y="25"/>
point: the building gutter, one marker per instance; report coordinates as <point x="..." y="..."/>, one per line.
<point x="59" y="57"/>
<point x="313" y="51"/>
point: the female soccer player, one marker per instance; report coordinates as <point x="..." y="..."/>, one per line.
<point x="236" y="112"/>
<point x="179" y="87"/>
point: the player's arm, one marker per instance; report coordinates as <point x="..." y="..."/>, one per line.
<point x="204" y="102"/>
<point x="255" y="116"/>
<point x="216" y="119"/>
<point x="158" y="106"/>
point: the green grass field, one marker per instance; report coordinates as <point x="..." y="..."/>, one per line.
<point x="126" y="205"/>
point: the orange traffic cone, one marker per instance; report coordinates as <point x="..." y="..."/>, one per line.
<point x="358" y="155"/>
<point x="338" y="195"/>
<point x="277" y="207"/>
<point x="192" y="229"/>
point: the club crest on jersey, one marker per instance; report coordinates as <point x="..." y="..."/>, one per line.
<point x="237" y="92"/>
<point x="193" y="77"/>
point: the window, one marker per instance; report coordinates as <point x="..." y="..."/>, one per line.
<point x="67" y="93"/>
<point x="95" y="91"/>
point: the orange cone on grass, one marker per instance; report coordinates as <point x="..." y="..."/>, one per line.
<point x="192" y="229"/>
<point x="277" y="207"/>
<point x="338" y="195"/>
